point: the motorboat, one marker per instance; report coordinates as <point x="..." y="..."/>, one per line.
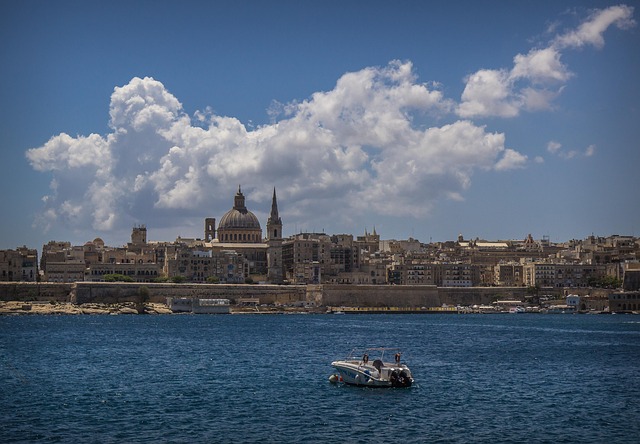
<point x="197" y="305"/>
<point x="370" y="369"/>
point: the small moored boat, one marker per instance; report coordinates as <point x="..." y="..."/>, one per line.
<point x="371" y="370"/>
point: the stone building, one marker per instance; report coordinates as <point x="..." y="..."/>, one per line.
<point x="202" y="265"/>
<point x="552" y="274"/>
<point x="304" y="257"/>
<point x="370" y="242"/>
<point x="318" y="258"/>
<point x="138" y="235"/>
<point x="63" y="262"/>
<point x="53" y="251"/>
<point x="631" y="278"/>
<point x="413" y="272"/>
<point x="138" y="271"/>
<point x="20" y="264"/>
<point x="65" y="271"/>
<point x="508" y="274"/>
<point x="624" y="301"/>
<point x="607" y="250"/>
<point x="425" y="272"/>
<point x="459" y="275"/>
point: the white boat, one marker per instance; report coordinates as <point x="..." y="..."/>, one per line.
<point x="369" y="369"/>
<point x="198" y="306"/>
<point x="211" y="306"/>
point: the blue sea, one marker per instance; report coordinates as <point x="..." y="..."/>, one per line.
<point x="264" y="378"/>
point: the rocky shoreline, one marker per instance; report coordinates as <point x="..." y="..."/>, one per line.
<point x="67" y="308"/>
<point x="123" y="308"/>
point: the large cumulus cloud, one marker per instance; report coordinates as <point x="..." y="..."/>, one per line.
<point x="354" y="147"/>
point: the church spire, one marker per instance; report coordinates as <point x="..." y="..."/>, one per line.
<point x="274" y="223"/>
<point x="274" y="218"/>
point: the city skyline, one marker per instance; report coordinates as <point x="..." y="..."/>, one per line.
<point x="408" y="117"/>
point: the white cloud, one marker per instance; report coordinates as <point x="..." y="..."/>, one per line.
<point x="532" y="99"/>
<point x="540" y="66"/>
<point x="510" y="160"/>
<point x="63" y="151"/>
<point x="553" y="147"/>
<point x="352" y="148"/>
<point x="590" y="151"/>
<point x="556" y="148"/>
<point x="488" y="93"/>
<point x="141" y="103"/>
<point x="590" y="31"/>
<point x="538" y="77"/>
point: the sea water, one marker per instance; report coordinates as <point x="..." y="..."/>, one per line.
<point x="264" y="378"/>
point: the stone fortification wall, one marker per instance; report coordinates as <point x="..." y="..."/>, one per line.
<point x="470" y="296"/>
<point x="115" y="292"/>
<point x="320" y="295"/>
<point x="380" y="295"/>
<point x="34" y="291"/>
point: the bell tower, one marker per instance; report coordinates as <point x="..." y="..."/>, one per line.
<point x="274" y="243"/>
<point x="209" y="229"/>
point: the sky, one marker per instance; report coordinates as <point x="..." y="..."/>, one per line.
<point x="421" y="119"/>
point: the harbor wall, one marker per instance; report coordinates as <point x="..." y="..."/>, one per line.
<point x="469" y="296"/>
<point x="115" y="292"/>
<point x="381" y="296"/>
<point x="318" y="295"/>
<point x="35" y="291"/>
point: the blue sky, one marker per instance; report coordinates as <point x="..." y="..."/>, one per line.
<point x="423" y="119"/>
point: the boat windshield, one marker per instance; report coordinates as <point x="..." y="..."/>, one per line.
<point x="373" y="353"/>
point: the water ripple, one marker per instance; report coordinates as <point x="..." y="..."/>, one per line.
<point x="179" y="379"/>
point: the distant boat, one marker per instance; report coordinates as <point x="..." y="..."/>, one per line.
<point x="199" y="306"/>
<point x="560" y="309"/>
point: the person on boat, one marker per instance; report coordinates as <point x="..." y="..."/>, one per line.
<point x="398" y="358"/>
<point x="365" y="358"/>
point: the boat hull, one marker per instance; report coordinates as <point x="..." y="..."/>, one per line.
<point x="366" y="375"/>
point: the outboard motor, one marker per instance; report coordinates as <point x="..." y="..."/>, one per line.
<point x="404" y="379"/>
<point x="400" y="379"/>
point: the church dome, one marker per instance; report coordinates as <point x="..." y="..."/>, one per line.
<point x="239" y="224"/>
<point x="239" y="219"/>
